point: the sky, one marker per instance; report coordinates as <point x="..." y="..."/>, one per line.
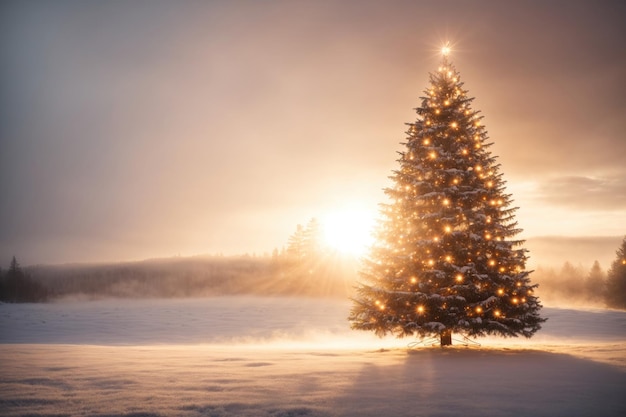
<point x="140" y="129"/>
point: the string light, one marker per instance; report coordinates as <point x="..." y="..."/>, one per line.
<point x="452" y="186"/>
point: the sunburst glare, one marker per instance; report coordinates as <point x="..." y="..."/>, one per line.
<point x="349" y="230"/>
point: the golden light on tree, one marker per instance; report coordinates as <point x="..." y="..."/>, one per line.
<point x="445" y="251"/>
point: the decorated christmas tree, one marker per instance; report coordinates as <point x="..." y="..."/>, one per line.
<point x="446" y="259"/>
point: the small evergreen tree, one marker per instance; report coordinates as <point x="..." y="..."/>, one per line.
<point x="18" y="287"/>
<point x="313" y="239"/>
<point x="616" y="279"/>
<point x="595" y="284"/>
<point x="446" y="259"/>
<point x="306" y="242"/>
<point x="296" y="243"/>
<point x="12" y="282"/>
<point x="571" y="282"/>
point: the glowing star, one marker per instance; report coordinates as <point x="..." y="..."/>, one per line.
<point x="445" y="51"/>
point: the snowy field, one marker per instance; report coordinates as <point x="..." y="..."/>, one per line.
<point x="279" y="357"/>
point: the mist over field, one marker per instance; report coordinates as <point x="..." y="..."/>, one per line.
<point x="188" y="192"/>
<point x="562" y="268"/>
<point x="268" y="336"/>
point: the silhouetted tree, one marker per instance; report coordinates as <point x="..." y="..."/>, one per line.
<point x="595" y="284"/>
<point x="572" y="280"/>
<point x="616" y="279"/>
<point x="18" y="287"/>
<point x="305" y="243"/>
<point x="296" y="243"/>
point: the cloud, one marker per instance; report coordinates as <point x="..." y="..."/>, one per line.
<point x="155" y="126"/>
<point x="580" y="250"/>
<point x="607" y="193"/>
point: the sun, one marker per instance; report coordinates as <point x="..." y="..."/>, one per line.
<point x="349" y="230"/>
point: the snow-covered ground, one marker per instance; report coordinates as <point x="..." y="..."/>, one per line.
<point x="247" y="356"/>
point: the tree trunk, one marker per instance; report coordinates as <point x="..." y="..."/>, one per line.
<point x="446" y="338"/>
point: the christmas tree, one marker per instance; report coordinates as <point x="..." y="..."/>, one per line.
<point x="445" y="258"/>
<point x="616" y="279"/>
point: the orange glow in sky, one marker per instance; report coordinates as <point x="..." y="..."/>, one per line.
<point x="133" y="130"/>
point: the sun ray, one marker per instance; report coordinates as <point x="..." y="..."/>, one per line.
<point x="348" y="230"/>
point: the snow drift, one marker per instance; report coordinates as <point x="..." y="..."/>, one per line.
<point x="248" y="356"/>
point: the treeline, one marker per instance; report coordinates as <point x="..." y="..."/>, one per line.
<point x="330" y="275"/>
<point x="17" y="286"/>
<point x="304" y="268"/>
<point x="594" y="286"/>
<point x="570" y="283"/>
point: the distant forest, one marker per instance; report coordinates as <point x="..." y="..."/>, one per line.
<point x="304" y="268"/>
<point x="331" y="275"/>
<point x="326" y="276"/>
